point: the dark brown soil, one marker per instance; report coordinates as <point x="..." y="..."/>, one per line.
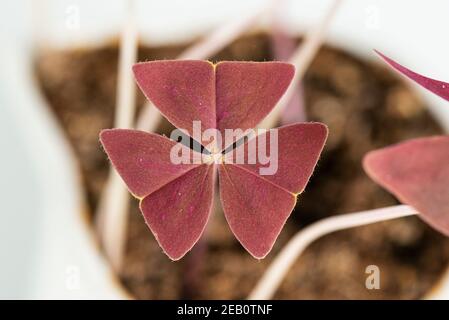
<point x="364" y="106"/>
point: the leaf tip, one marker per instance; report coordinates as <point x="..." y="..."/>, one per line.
<point x="367" y="160"/>
<point x="104" y="134"/>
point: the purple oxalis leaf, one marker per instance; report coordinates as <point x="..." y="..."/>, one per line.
<point x="257" y="207"/>
<point x="178" y="212"/>
<point x="439" y="88"/>
<point x="255" y="210"/>
<point x="228" y="95"/>
<point x="183" y="90"/>
<point x="176" y="199"/>
<point x="142" y="159"/>
<point x="417" y="173"/>
<point x="299" y="147"/>
<point x="248" y="91"/>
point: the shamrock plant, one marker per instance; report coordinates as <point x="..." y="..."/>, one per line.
<point x="229" y="98"/>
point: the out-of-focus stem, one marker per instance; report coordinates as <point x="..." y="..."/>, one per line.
<point x="193" y="269"/>
<point x="112" y="211"/>
<point x="272" y="278"/>
<point x="295" y="110"/>
<point x="283" y="48"/>
<point x="302" y="58"/>
<point x="149" y="117"/>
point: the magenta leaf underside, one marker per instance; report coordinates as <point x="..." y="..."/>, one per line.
<point x="417" y="173"/>
<point x="177" y="199"/>
<point x="439" y="88"/>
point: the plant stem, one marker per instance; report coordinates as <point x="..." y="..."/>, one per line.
<point x="113" y="207"/>
<point x="283" y="47"/>
<point x="149" y="117"/>
<point x="126" y="95"/>
<point x="301" y="59"/>
<point x="193" y="269"/>
<point x="223" y="35"/>
<point x="272" y="278"/>
<point x="295" y="110"/>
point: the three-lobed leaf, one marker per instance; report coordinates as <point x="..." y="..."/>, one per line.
<point x="176" y="199"/>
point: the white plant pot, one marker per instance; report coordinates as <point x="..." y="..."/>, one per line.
<point x="66" y="262"/>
